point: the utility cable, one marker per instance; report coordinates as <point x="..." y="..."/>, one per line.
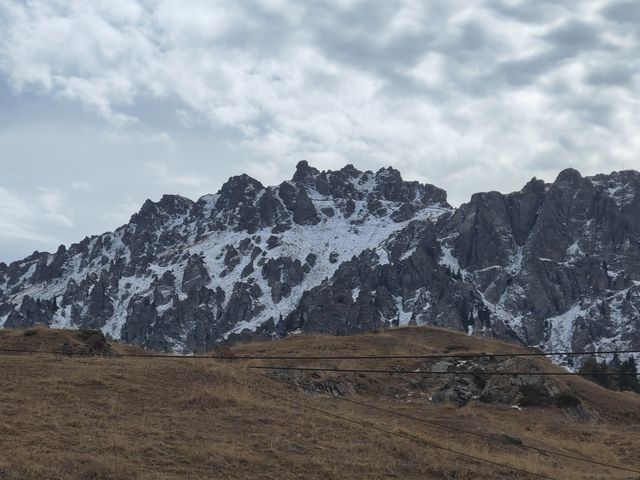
<point x="452" y="428"/>
<point x="329" y="357"/>
<point x="406" y="437"/>
<point x="427" y="373"/>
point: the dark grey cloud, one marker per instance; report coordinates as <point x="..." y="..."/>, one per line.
<point x="574" y="35"/>
<point x="539" y="12"/>
<point x="612" y="75"/>
<point x="623" y="12"/>
<point x="355" y="37"/>
<point x="565" y="42"/>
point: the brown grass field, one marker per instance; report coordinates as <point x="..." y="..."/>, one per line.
<point x="117" y="418"/>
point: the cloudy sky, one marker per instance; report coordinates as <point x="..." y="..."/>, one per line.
<point x="109" y="102"/>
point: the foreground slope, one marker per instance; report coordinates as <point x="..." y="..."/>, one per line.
<point x="553" y="265"/>
<point x="115" y="418"/>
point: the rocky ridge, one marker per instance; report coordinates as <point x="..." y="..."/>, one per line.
<point x="553" y="265"/>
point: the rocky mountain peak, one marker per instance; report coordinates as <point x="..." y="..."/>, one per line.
<point x="552" y="265"/>
<point x="568" y="175"/>
<point x="624" y="176"/>
<point x="534" y="186"/>
<point x="304" y="172"/>
<point x="175" y="204"/>
<point x="168" y="206"/>
<point x="389" y="174"/>
<point x="238" y="189"/>
<point x="350" y="171"/>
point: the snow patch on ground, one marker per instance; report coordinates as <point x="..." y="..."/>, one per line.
<point x="408" y="253"/>
<point x="209" y="203"/>
<point x="574" y="250"/>
<point x="562" y="328"/>
<point x="62" y="319"/>
<point x="448" y="260"/>
<point x="623" y="195"/>
<point x="355" y="293"/>
<point x="127" y="287"/>
<point x="515" y="262"/>
<point x="613" y="190"/>
<point x="403" y="317"/>
<point x="384" y="257"/>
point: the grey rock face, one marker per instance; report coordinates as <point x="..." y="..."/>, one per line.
<point x="553" y="265"/>
<point x="411" y="288"/>
<point x="304" y="212"/>
<point x="195" y="274"/>
<point x="575" y="245"/>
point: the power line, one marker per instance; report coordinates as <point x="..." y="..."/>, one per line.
<point x="114" y="355"/>
<point x="426" y="356"/>
<point x="322" y="357"/>
<point x="406" y="437"/>
<point x="452" y="428"/>
<point x="420" y="372"/>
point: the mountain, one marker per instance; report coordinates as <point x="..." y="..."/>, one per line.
<point x="553" y="265"/>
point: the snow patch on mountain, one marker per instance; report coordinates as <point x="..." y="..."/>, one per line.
<point x="62" y="319"/>
<point x="348" y="237"/>
<point x="449" y="260"/>
<point x="562" y="327"/>
<point x="404" y="317"/>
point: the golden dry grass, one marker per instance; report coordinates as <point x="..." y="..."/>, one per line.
<point x="127" y="418"/>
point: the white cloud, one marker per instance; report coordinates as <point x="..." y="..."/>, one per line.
<point x="195" y="184"/>
<point x="121" y="213"/>
<point x="120" y="136"/>
<point x="431" y="69"/>
<point x="31" y="218"/>
<point x="51" y="207"/>
<point x="82" y="186"/>
<point x="186" y="118"/>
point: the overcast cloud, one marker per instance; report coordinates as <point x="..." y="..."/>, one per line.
<point x="106" y="103"/>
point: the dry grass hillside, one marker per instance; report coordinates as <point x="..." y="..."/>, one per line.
<point x="116" y="417"/>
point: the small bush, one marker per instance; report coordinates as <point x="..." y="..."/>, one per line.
<point x="456" y="347"/>
<point x="534" y="395"/>
<point x="567" y="400"/>
<point x="30" y="332"/>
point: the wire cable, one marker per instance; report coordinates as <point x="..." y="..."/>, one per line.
<point x="115" y="355"/>
<point x="426" y="373"/>
<point x="406" y="437"/>
<point x="329" y="357"/>
<point x="427" y="356"/>
<point x="450" y="427"/>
